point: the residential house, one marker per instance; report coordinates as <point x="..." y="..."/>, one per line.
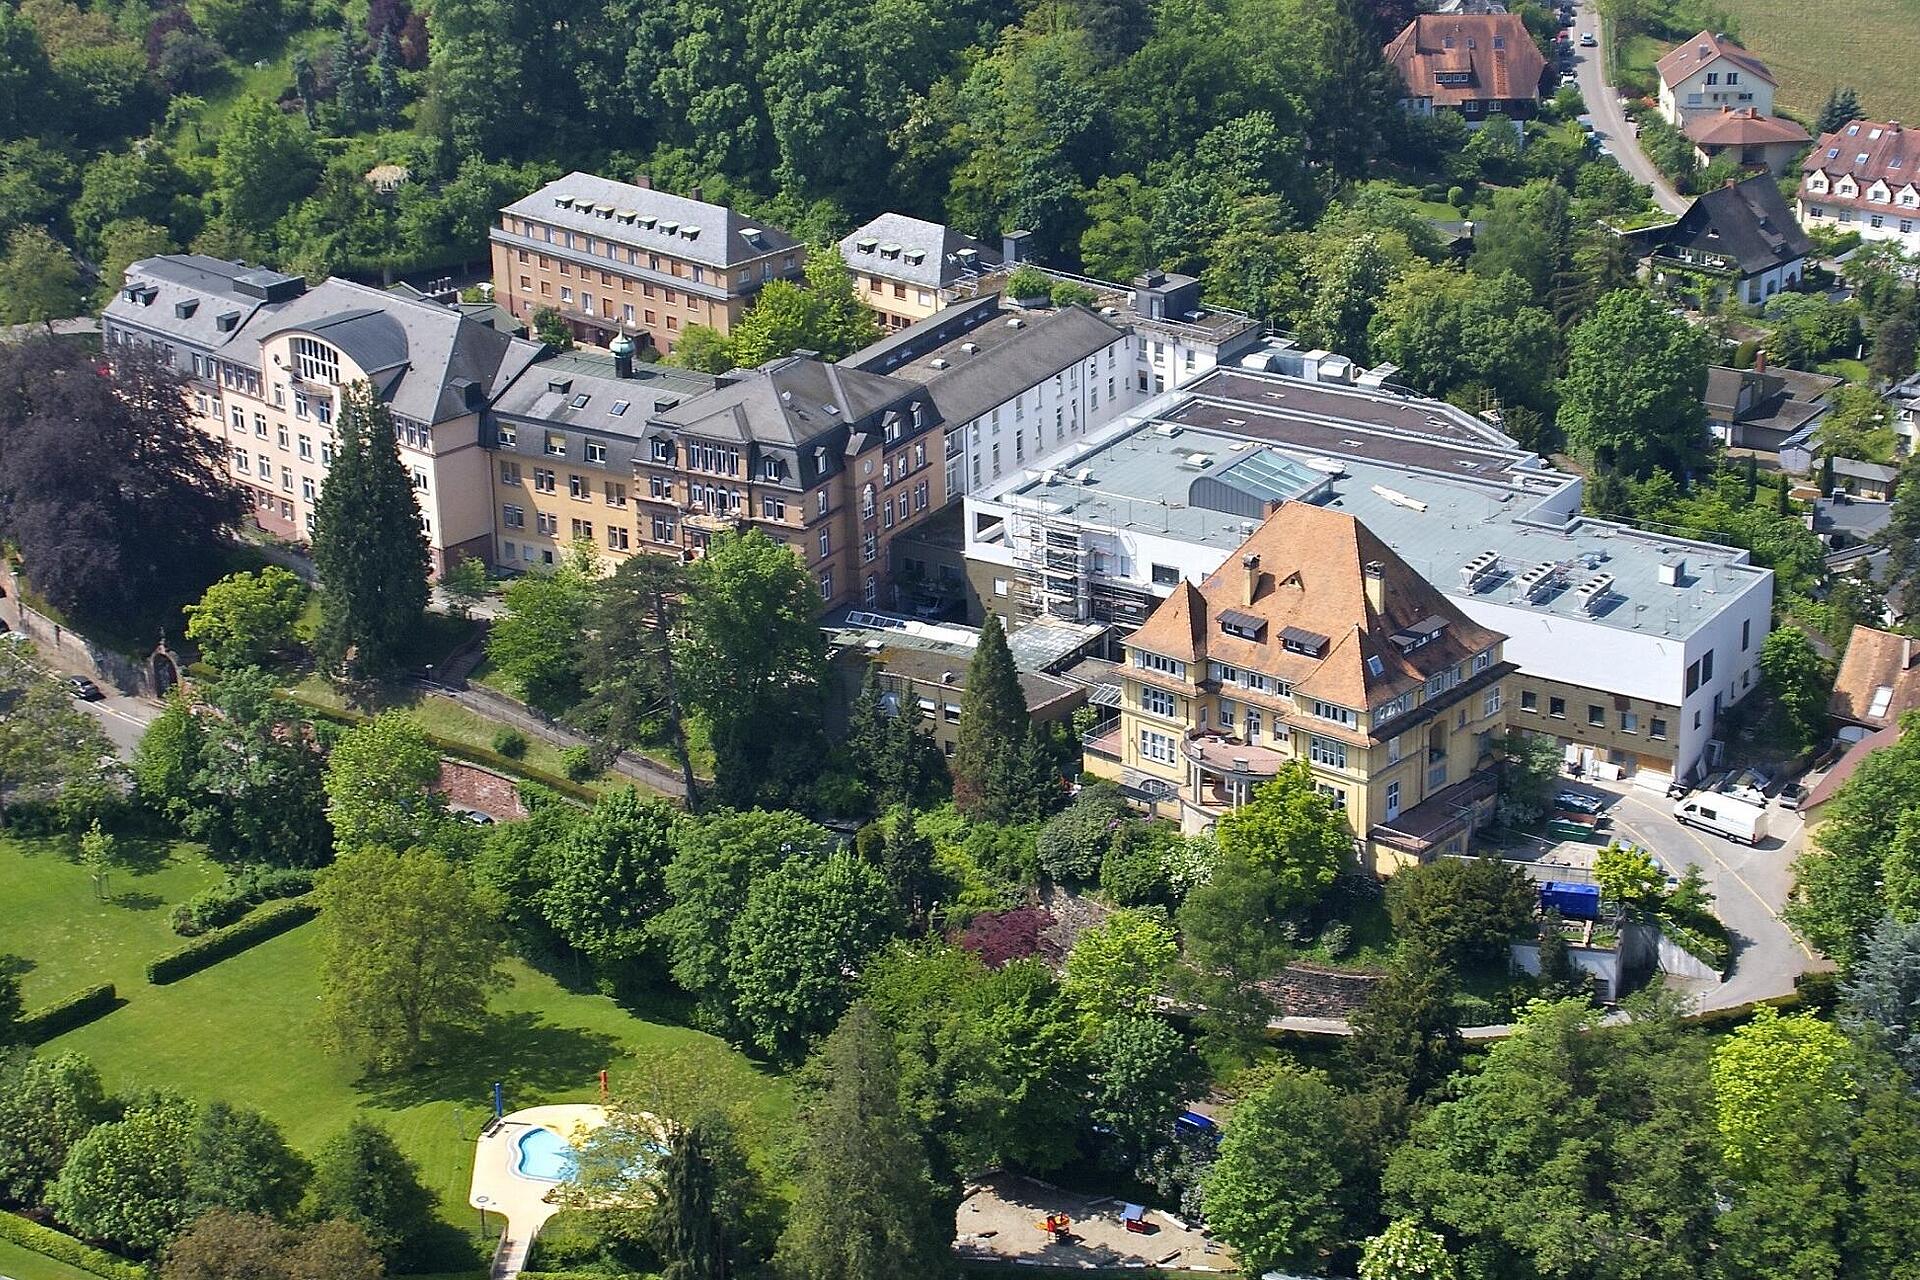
<point x="907" y="268"/>
<point x="1865" y="177"/>
<point x="1857" y="478"/>
<point x="832" y="461"/>
<point x="1747" y="137"/>
<point x="1761" y="409"/>
<point x="1478" y="65"/>
<point x="1314" y="642"/>
<point x="1630" y="644"/>
<point x="1700" y="76"/>
<point x="1878" y="682"/>
<point x="620" y="257"/>
<point x="266" y="357"/>
<point x="1738" y="239"/>
<point x="1015" y="386"/>
<point x="1905" y="396"/>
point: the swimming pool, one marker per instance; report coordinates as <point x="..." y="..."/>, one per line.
<point x="544" y="1156"/>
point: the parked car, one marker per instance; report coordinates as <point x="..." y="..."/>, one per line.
<point x="1793" y="795"/>
<point x="1587" y="41"/>
<point x="1578" y="801"/>
<point x="1724" y="815"/>
<point x="82" y="688"/>
<point x="476" y="818"/>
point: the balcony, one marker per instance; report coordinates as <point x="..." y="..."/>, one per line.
<point x="1229" y="758"/>
<point x="698" y="517"/>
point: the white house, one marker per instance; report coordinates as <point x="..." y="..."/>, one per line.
<point x="1861" y="177"/>
<point x="1710" y="71"/>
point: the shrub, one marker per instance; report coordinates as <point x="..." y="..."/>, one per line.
<point x="1134" y="872"/>
<point x="1476" y="1011"/>
<point x="999" y="936"/>
<point x="1457" y="197"/>
<point x="1336" y="939"/>
<point x="1074" y="841"/>
<point x="577" y="762"/>
<point x="510" y="743"/>
<point x="232" y="940"/>
<point x="64" y="1248"/>
<point x="1028" y="282"/>
<point x="1065" y="293"/>
<point x="235" y="896"/>
<point x="1435" y="192"/>
<point x="76" y="1010"/>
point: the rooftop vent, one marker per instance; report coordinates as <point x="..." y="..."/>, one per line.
<point x="970" y="347"/>
<point x="938" y="363"/>
<point x="916" y="256"/>
<point x="1594" y="591"/>
<point x="1168" y="430"/>
<point x="1672" y="572"/>
<point x="889" y="250"/>
<point x="560" y="386"/>
<point x="563" y="202"/>
<point x="1538" y="581"/>
<point x="1015" y="322"/>
<point x="668" y="226"/>
<point x="1084" y="475"/>
<point x="1475" y="572"/>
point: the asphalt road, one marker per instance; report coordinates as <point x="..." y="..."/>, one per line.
<point x="1749" y="886"/>
<point x="1610" y="124"/>
<point x="124" y="719"/>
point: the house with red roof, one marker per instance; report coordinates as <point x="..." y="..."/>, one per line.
<point x="1865" y="177"/>
<point x="1478" y="65"/>
<point x="1700" y="76"/>
<point x="1748" y="138"/>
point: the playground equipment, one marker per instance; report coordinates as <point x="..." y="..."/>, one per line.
<point x="1057" y="1225"/>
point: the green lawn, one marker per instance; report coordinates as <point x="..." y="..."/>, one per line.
<point x="18" y="1263"/>
<point x="70" y="939"/>
<point x="241" y="1031"/>
<point x="1869" y="45"/>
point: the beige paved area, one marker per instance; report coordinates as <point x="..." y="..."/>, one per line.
<point x="522" y="1201"/>
<point x="996" y="1220"/>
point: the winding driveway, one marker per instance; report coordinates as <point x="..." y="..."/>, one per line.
<point x="1610" y="124"/>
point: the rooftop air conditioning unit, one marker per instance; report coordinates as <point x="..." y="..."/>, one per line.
<point x="1594" y="591"/>
<point x="970" y="347"/>
<point x="1475" y="572"/>
<point x="1168" y="430"/>
<point x="1084" y="475"/>
<point x="1671" y="572"/>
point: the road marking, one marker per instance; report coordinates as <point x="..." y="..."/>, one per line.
<point x="1707" y="849"/>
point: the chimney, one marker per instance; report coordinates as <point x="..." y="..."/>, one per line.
<point x="1906" y="652"/>
<point x="1250" y="580"/>
<point x="1375" y="574"/>
<point x="643" y="182"/>
<point x="694" y="194"/>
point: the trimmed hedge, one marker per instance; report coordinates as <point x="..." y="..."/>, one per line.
<point x="211" y="948"/>
<point x="238" y="894"/>
<point x="64" y="1248"/>
<point x="77" y="1010"/>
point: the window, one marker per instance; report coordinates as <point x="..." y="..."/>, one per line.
<point x="577" y="487"/>
<point x="1393" y="788"/>
<point x="542" y="480"/>
<point x="1165" y="575"/>
<point x="1629" y="722"/>
<point x="662" y="451"/>
<point x="1154" y="662"/>
<point x="1596" y="716"/>
<point x="1481" y="661"/>
<point x="1327" y="752"/>
<point x="510" y="473"/>
<point x="1396" y="707"/>
<point x="556" y="446"/>
<point x="326" y="453"/>
<point x="513" y="517"/>
<point x="1746" y="633"/>
<point x="663" y="529"/>
<point x="1557" y="708"/>
<point x="306" y="448"/>
<point x="617" y="538"/>
<point x="506" y="437"/>
<point x="240" y="419"/>
<point x="241" y="461"/>
<point x="1393" y="749"/>
<point x="1156" y="702"/>
<point x="870" y="548"/>
<point x="596" y="452"/>
<point x="1529" y="700"/>
<point x="1156" y="746"/>
<point x="1706" y="666"/>
<point x="546" y="523"/>
<point x="1328" y="711"/>
<point x="660" y="488"/>
<point x="1491" y="705"/>
<point x="1657" y="729"/>
<point x="826" y="544"/>
<point x="315" y="361"/>
<point x="583" y="529"/>
<point x="1229" y="712"/>
<point x="307" y="491"/>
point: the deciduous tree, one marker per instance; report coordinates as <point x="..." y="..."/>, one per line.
<point x="380" y="780"/>
<point x="1275" y="1194"/>
<point x="361" y="1176"/>
<point x="128" y="1181"/>
<point x="1630" y="398"/>
<point x="1801" y="682"/>
<point x="408" y="955"/>
<point x="541" y="639"/>
<point x="223" y="1245"/>
<point x="47" y="1104"/>
<point x="39" y="282"/>
<point x="1118" y="966"/>
<point x="608" y="877"/>
<point x="245" y="618"/>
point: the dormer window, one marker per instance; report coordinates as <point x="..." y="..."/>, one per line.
<point x="1245" y="626"/>
<point x="1298" y="640"/>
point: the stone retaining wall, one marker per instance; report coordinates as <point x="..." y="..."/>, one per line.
<point x="1309" y="991"/>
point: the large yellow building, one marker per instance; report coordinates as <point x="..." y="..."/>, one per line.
<point x="1315" y="642"/>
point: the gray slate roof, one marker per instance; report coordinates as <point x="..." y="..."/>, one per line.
<point x="913" y="250"/>
<point x="1747" y="220"/>
<point x="547" y="391"/>
<point x="790" y="401"/>
<point x="721" y="240"/>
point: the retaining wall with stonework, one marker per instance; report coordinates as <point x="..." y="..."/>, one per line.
<point x="1309" y="991"/>
<point x="468" y="786"/>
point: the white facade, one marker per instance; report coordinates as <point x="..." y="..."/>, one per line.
<point x="1719" y="83"/>
<point x="1037" y="423"/>
<point x="1877" y="211"/>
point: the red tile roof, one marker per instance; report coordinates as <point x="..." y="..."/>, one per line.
<point x="1690" y="56"/>
<point x="1869" y="152"/>
<point x="1742" y="127"/>
<point x="1492" y="53"/>
<point x="1878" y="681"/>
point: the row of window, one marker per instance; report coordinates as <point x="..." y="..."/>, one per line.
<point x="1596" y="715"/>
<point x="1873" y="220"/>
<point x="584" y="243"/>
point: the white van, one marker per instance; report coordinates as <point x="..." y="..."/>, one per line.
<point x="1724" y="815"/>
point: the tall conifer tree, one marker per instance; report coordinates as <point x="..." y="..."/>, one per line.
<point x="367" y="544"/>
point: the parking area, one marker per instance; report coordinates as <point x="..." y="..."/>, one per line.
<point x="1004" y="1217"/>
